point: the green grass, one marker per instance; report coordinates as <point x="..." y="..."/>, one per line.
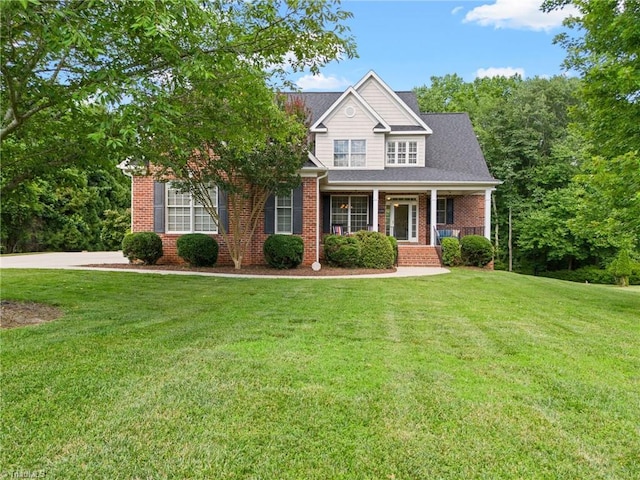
<point x="468" y="375"/>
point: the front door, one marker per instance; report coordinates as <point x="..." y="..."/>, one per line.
<point x="402" y="219"/>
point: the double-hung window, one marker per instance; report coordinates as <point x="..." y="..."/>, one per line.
<point x="350" y="211"/>
<point x="402" y="153"/>
<point x="349" y="153"/>
<point x="186" y="215"/>
<point x="441" y="210"/>
<point x="284" y="213"/>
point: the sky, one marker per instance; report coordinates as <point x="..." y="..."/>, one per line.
<point x="408" y="42"/>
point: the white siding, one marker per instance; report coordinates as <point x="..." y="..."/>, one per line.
<point x="359" y="126"/>
<point x="384" y="105"/>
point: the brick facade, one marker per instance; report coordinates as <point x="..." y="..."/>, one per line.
<point x="143" y="221"/>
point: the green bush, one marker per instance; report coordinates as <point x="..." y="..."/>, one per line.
<point x="620" y="268"/>
<point x="592" y="275"/>
<point x="342" y="251"/>
<point x="198" y="249"/>
<point x="375" y="250"/>
<point x="475" y="250"/>
<point x="283" y="251"/>
<point x="143" y="246"/>
<point x="115" y="226"/>
<point x="450" y="251"/>
<point x="394" y="246"/>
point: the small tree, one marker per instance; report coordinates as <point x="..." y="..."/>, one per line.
<point x="620" y="268"/>
<point x="261" y="159"/>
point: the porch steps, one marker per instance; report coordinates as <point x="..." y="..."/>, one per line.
<point x="418" y="256"/>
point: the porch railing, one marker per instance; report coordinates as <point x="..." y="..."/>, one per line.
<point x="443" y="231"/>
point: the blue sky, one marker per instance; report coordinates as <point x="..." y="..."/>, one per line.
<point x="408" y="42"/>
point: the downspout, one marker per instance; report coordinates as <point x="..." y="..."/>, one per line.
<point x="316" y="265"/>
<point x="125" y="168"/>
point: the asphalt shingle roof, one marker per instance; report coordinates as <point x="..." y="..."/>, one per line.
<point x="453" y="153"/>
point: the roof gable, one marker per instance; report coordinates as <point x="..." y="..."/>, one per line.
<point x="381" y="125"/>
<point x="383" y="99"/>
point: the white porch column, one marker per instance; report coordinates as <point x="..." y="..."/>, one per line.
<point x="487" y="213"/>
<point x="374" y="214"/>
<point x="433" y="216"/>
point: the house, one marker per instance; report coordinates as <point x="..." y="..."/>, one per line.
<point x="377" y="163"/>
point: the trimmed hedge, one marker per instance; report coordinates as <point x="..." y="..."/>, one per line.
<point x="375" y="250"/>
<point x="591" y="275"/>
<point x="476" y="250"/>
<point x="198" y="249"/>
<point x="142" y="246"/>
<point x="283" y="251"/>
<point x="450" y="251"/>
<point x="342" y="251"/>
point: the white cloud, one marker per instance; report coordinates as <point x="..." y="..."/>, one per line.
<point x="499" y="72"/>
<point x="322" y="82"/>
<point x="518" y="14"/>
<point x="456" y="10"/>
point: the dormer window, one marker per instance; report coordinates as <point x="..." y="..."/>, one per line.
<point x="349" y="153"/>
<point x="402" y="153"/>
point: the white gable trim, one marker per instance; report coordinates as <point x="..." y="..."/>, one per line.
<point x="393" y="95"/>
<point x="320" y="127"/>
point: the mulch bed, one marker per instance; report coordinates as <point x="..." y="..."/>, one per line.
<point x="325" y="271"/>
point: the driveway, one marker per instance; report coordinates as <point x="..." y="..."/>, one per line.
<point x="60" y="259"/>
<point x="76" y="260"/>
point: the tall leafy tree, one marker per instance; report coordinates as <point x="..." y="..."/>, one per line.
<point x="86" y="82"/>
<point x="603" y="45"/>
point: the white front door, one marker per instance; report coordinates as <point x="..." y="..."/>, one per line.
<point x="402" y="218"/>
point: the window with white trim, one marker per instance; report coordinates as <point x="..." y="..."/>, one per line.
<point x="186" y="215"/>
<point x="350" y="211"/>
<point x="441" y="210"/>
<point x="349" y="153"/>
<point x="284" y="213"/>
<point x="402" y="153"/>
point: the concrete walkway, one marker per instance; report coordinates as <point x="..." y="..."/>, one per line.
<point x="78" y="260"/>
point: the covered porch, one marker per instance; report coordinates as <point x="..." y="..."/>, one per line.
<point x="417" y="218"/>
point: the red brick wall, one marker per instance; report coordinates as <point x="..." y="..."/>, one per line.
<point x="143" y="222"/>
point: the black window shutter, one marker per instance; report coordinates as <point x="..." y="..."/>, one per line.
<point x="326" y="213"/>
<point x="429" y="212"/>
<point x="371" y="212"/>
<point x="158" y="207"/>
<point x="449" y="211"/>
<point x="223" y="212"/>
<point x="270" y="215"/>
<point x="297" y="210"/>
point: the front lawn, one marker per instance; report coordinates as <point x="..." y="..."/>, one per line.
<point x="468" y="375"/>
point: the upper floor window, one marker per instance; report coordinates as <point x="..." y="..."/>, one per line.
<point x="284" y="213"/>
<point x="186" y="215"/>
<point x="349" y="153"/>
<point x="402" y="153"/>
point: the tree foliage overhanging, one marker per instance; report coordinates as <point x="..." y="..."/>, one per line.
<point x="88" y="84"/>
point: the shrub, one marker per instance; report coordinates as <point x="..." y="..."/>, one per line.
<point x="283" y="251"/>
<point x="394" y="246"/>
<point x="450" y="251"/>
<point x="582" y="275"/>
<point x="375" y="250"/>
<point x="198" y="249"/>
<point x="621" y="268"/>
<point x="143" y="246"/>
<point x="476" y="250"/>
<point x="342" y="251"/>
<point x="114" y="227"/>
